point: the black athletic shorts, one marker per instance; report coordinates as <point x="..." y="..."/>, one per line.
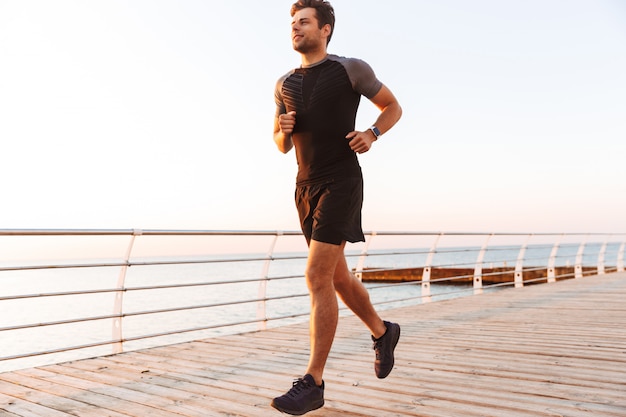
<point x="330" y="212"/>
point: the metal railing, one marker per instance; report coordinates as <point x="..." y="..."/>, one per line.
<point x="60" y="290"/>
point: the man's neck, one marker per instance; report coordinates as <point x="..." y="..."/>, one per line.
<point x="313" y="57"/>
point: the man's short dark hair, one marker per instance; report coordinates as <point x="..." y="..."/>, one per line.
<point x="323" y="11"/>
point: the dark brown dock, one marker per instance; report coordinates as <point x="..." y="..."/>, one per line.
<point x="544" y="350"/>
<point x="489" y="275"/>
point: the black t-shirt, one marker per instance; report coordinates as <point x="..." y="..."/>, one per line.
<point x="325" y="97"/>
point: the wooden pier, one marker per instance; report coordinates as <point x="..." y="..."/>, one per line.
<point x="545" y="350"/>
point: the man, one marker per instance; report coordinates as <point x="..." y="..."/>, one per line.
<point x="316" y="111"/>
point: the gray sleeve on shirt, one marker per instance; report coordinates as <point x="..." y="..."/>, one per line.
<point x="278" y="95"/>
<point x="361" y="76"/>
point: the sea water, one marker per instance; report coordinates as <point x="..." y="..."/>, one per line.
<point x="229" y="298"/>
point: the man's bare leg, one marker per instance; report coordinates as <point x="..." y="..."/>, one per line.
<point x="385" y="335"/>
<point x="320" y="269"/>
<point x="355" y="296"/>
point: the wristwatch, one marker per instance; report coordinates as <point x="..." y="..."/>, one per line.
<point x="375" y="131"/>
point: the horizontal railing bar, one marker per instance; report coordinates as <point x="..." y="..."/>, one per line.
<point x="241" y="260"/>
<point x="423" y="233"/>
<point x="145" y="288"/>
<point x="148" y="312"/>
<point x="386" y="254"/>
<point x="144" y="232"/>
<point x="59" y="294"/>
<point x="61" y="266"/>
<point x="207" y="284"/>
<point x="212" y="261"/>
<point x="59" y="350"/>
<point x="160" y="232"/>
<point x="59" y="322"/>
<point x="145" y="263"/>
<point x="203" y="306"/>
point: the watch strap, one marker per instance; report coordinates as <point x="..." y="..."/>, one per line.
<point x="375" y="131"/>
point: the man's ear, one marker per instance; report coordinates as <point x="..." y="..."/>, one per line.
<point x="326" y="30"/>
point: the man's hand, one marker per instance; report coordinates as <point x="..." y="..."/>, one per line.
<point x="287" y="122"/>
<point x="361" y="142"/>
<point x="283" y="128"/>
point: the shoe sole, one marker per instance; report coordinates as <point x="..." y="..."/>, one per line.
<point x="297" y="412"/>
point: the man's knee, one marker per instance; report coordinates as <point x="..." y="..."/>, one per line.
<point x="342" y="278"/>
<point x="318" y="277"/>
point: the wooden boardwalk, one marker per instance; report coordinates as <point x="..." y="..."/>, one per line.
<point x="546" y="350"/>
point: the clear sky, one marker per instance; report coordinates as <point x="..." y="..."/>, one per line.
<point x="158" y="114"/>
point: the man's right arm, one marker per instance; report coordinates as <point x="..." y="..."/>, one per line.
<point x="283" y="128"/>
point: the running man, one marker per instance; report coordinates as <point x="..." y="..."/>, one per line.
<point x="316" y="114"/>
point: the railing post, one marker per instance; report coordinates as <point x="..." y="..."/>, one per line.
<point x="118" y="306"/>
<point x="261" y="312"/>
<point x="552" y="261"/>
<point x="578" y="269"/>
<point x="478" y="269"/>
<point x="601" y="270"/>
<point x="427" y="270"/>
<point x="620" y="258"/>
<point x="519" y="266"/>
<point x="358" y="272"/>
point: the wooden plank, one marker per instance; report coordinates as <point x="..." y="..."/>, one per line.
<point x="59" y="400"/>
<point x="546" y="350"/>
<point x="25" y="407"/>
<point x="142" y="397"/>
<point x="72" y="402"/>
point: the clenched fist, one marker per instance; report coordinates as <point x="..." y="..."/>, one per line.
<point x="287" y="121"/>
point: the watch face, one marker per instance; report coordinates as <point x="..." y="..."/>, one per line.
<point x="375" y="130"/>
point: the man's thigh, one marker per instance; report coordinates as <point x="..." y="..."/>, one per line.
<point x="323" y="259"/>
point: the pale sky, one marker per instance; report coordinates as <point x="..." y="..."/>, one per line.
<point x="158" y="114"/>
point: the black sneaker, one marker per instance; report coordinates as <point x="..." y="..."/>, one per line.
<point x="303" y="397"/>
<point x="384" y="347"/>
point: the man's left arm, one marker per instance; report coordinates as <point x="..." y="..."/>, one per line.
<point x="390" y="112"/>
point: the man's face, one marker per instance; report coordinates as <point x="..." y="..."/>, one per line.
<point x="306" y="36"/>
